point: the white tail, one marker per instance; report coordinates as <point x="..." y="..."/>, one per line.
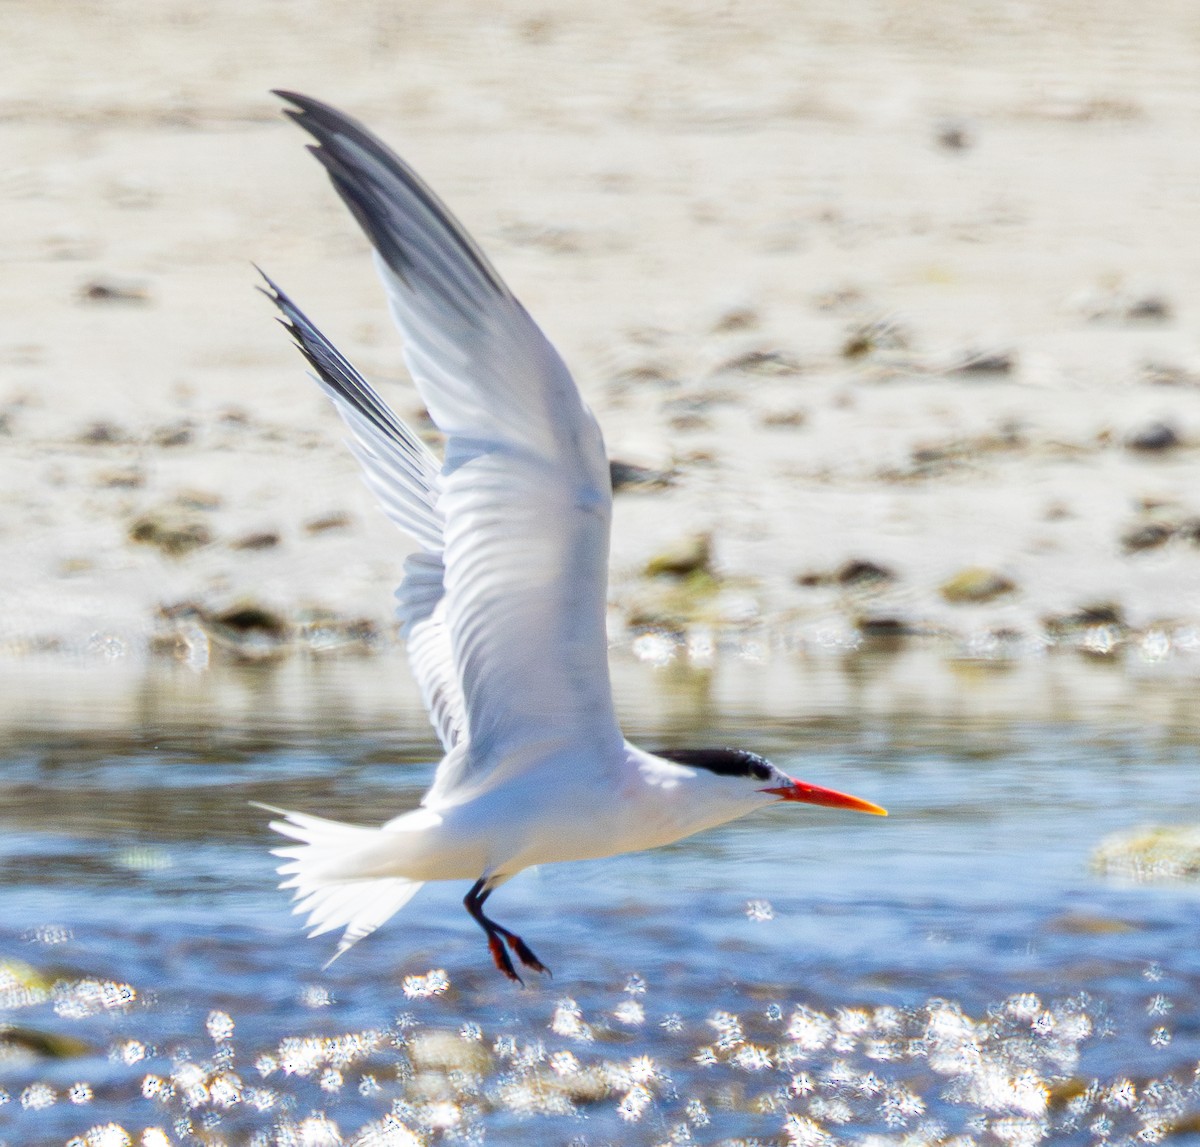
<point x="321" y="868"/>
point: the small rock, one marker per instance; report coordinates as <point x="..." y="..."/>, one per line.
<point x="324" y="631"/>
<point x="1090" y="924"/>
<point x="784" y="419"/>
<point x="1154" y="437"/>
<point x="645" y="374"/>
<point x="259" y="540"/>
<point x="675" y="603"/>
<point x="335" y="520"/>
<point x="975" y="585"/>
<point x="248" y="631"/>
<point x="1169" y="374"/>
<point x="689" y="422"/>
<point x="1146" y="536"/>
<point x="631" y="476"/>
<point x="876" y="335"/>
<point x="843" y="299"/>
<point x="173" y="434"/>
<point x="239" y="416"/>
<point x="860" y="573"/>
<point x="26" y="975"/>
<point x="1189" y="530"/>
<point x="953" y="136"/>
<point x="198" y="500"/>
<point x="1095" y="614"/>
<point x="984" y="362"/>
<point x="856" y="573"/>
<point x="883" y="630"/>
<point x="1115" y="303"/>
<point x="169" y="530"/>
<point x="766" y="362"/>
<point x="45" y="1044"/>
<point x="1056" y="511"/>
<point x="687" y="556"/>
<point x="103" y="434"/>
<point x="1149" y="308"/>
<point x="113" y="290"/>
<point x="124" y="478"/>
<point x="736" y="318"/>
<point x="1150" y="854"/>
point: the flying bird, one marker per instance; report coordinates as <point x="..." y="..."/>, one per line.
<point x="503" y="604"/>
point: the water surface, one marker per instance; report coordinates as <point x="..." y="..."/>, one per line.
<point x="957" y="972"/>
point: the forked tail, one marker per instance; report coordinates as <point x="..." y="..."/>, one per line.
<point x="322" y="870"/>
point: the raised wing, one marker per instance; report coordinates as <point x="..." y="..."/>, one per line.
<point x="404" y="475"/>
<point x="525" y="492"/>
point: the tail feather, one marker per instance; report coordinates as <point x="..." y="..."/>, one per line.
<point x="321" y="870"/>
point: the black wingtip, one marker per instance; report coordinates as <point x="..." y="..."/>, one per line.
<point x="271" y="289"/>
<point x="368" y="175"/>
<point x="291" y="97"/>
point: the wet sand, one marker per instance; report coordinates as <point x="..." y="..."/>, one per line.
<point x="902" y="298"/>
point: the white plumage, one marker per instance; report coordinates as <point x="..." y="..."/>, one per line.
<point x="503" y="606"/>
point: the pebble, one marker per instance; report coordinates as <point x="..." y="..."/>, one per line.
<point x="1170" y="374"/>
<point x="952" y="135"/>
<point x="335" y="520"/>
<point x="124" y="478"/>
<point x="686" y="556"/>
<point x="975" y="584"/>
<point x="250" y="632"/>
<point x="1146" y="536"/>
<point x="630" y="476"/>
<point x="324" y="631"/>
<point x="173" y="434"/>
<point x="259" y="540"/>
<point x="861" y="572"/>
<point x="109" y="289"/>
<point x="766" y="362"/>
<point x="1120" y="305"/>
<point x="1087" y="616"/>
<point x="878" y="334"/>
<point x="1150" y="854"/>
<point x="884" y="631"/>
<point x="103" y="433"/>
<point x="784" y="419"/>
<point x="194" y="499"/>
<point x="735" y="318"/>
<point x="1152" y="438"/>
<point x="170" y="530"/>
<point x="985" y="362"/>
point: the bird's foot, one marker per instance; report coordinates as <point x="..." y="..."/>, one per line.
<point x="502" y="958"/>
<point x="525" y="954"/>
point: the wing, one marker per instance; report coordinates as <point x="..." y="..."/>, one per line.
<point x="526" y="497"/>
<point x="404" y="475"/>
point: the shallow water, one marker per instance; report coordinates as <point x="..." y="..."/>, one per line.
<point x="956" y="970"/>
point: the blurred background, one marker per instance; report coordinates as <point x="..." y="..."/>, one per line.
<point x="890" y="315"/>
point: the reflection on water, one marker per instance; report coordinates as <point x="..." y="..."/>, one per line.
<point x="956" y="973"/>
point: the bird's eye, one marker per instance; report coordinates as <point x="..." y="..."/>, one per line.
<point x="761" y="772"/>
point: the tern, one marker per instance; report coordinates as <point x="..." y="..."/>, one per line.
<point x="503" y="604"/>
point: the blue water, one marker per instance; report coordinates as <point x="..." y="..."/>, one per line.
<point x="786" y="975"/>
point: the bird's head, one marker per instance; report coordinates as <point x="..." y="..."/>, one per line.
<point x="757" y="780"/>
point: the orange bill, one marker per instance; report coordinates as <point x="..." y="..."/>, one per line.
<point x="830" y="798"/>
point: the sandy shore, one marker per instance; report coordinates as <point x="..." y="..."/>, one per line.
<point x="903" y="299"/>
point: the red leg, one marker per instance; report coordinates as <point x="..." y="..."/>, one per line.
<point x="497" y="934"/>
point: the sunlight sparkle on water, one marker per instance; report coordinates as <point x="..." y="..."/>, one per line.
<point x="884" y="1075"/>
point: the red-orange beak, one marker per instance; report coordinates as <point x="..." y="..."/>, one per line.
<point x="830" y="798"/>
